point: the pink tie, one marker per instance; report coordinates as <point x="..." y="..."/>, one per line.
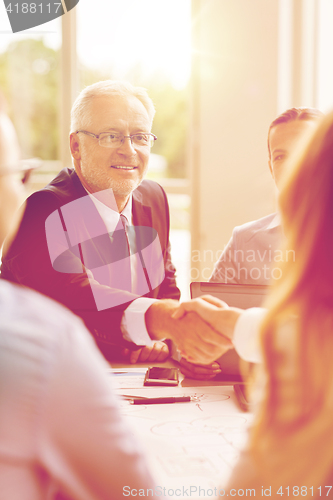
<point x="124" y="222"/>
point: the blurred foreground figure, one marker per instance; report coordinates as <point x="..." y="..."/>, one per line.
<point x="61" y="433"/>
<point x="291" y="441"/>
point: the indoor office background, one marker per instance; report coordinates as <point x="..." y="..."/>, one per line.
<point x="219" y="71"/>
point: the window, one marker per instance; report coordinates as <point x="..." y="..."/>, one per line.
<point x="325" y="56"/>
<point x="148" y="43"/>
<point x="30" y="81"/>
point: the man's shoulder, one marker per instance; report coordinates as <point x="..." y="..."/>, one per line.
<point x="150" y="193"/>
<point x="64" y="188"/>
<point x="150" y="188"/>
<point x="256" y="226"/>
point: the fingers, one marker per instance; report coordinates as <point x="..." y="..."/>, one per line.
<point x="159" y="351"/>
<point x="164" y="353"/>
<point x="135" y="355"/>
<point x="199" y="372"/>
<point x="202" y="307"/>
<point x="203" y="357"/>
<point x="181" y="311"/>
<point x="200" y="338"/>
<point x="215" y="301"/>
<point x="197" y="341"/>
<point x="199" y="305"/>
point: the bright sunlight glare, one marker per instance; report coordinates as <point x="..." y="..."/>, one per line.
<point x="154" y="34"/>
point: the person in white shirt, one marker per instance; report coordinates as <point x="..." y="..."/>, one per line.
<point x="290" y="445"/>
<point x="251" y="255"/>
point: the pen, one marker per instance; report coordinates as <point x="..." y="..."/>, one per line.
<point x="157" y="401"/>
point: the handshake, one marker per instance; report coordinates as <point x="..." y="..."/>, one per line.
<point x="202" y="329"/>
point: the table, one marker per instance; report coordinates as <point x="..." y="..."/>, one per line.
<point x="191" y="447"/>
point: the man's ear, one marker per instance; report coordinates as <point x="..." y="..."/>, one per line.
<point x="74" y="145"/>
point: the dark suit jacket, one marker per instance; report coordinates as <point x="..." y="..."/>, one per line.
<point x="27" y="261"/>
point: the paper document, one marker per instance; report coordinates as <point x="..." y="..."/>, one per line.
<point x="128" y="378"/>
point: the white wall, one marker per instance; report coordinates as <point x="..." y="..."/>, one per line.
<point x="234" y="99"/>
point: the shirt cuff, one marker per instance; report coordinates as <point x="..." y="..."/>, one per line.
<point x="133" y="325"/>
<point x="246" y="334"/>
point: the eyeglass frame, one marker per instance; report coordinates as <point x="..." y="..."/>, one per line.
<point x="97" y="136"/>
<point x="25" y="166"/>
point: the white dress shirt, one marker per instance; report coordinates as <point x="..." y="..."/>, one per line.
<point x="246" y="334"/>
<point x="133" y="325"/>
<point x="60" y="425"/>
<point x="251" y="252"/>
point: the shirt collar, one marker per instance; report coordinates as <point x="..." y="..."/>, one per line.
<point x="109" y="216"/>
<point x="275" y="222"/>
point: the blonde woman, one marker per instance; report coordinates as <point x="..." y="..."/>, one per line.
<point x="290" y="450"/>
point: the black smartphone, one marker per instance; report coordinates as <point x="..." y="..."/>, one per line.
<point x="242" y="398"/>
<point x="162" y="376"/>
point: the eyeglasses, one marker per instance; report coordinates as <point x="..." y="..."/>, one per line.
<point x="107" y="140"/>
<point x="23" y="169"/>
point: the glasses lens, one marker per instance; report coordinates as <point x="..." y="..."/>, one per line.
<point x="146" y="140"/>
<point x="116" y="140"/>
<point x="110" y="140"/>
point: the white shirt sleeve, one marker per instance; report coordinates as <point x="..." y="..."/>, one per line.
<point x="246" y="334"/>
<point x="133" y="325"/>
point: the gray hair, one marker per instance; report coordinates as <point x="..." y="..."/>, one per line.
<point x="106" y="88"/>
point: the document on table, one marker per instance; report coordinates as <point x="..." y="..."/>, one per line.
<point x="194" y="444"/>
<point x="128" y="378"/>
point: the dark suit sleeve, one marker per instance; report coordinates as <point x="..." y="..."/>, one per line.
<point x="28" y="263"/>
<point x="168" y="288"/>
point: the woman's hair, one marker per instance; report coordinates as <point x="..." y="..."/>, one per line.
<point x="291" y="115"/>
<point x="80" y="114"/>
<point x="292" y="437"/>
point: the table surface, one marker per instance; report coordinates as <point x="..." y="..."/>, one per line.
<point x="189" y="445"/>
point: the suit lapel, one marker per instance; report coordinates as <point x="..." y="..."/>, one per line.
<point x="142" y="215"/>
<point x="102" y="245"/>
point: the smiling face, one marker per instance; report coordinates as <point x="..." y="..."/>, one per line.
<point x="122" y="169"/>
<point x="283" y="139"/>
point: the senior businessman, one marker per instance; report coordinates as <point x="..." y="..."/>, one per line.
<point x="96" y="238"/>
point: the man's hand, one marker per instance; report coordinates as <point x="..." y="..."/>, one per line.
<point x="197" y="341"/>
<point x="215" y="312"/>
<point x="199" y="372"/>
<point x="158" y="352"/>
